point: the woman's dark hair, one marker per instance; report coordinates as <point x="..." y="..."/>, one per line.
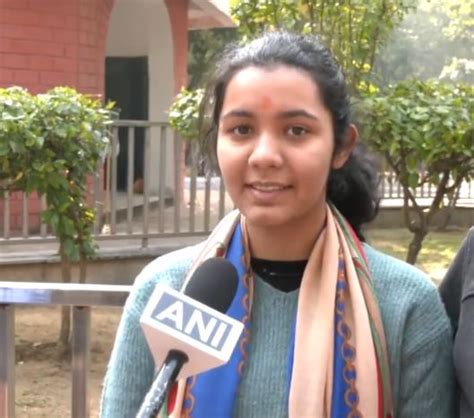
<point x="353" y="188"/>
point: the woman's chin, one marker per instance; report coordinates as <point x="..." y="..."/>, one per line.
<point x="265" y="217"/>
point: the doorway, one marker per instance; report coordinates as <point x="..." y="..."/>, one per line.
<point x="126" y="83"/>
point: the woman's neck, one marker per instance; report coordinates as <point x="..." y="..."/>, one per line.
<point x="286" y="244"/>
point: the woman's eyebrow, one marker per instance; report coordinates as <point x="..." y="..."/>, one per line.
<point x="237" y="113"/>
<point x="281" y="115"/>
<point x="296" y="113"/>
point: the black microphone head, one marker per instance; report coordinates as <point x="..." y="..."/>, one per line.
<point x="214" y="283"/>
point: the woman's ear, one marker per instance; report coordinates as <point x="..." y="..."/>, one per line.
<point x="345" y="150"/>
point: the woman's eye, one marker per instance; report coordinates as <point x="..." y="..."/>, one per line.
<point x="297" y="130"/>
<point x="241" y="130"/>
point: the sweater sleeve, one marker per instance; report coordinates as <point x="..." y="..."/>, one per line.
<point x="427" y="386"/>
<point x="131" y="366"/>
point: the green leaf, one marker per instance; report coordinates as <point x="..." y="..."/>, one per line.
<point x="4" y="149"/>
<point x="50" y="143"/>
<point x="413" y="179"/>
<point x="71" y="250"/>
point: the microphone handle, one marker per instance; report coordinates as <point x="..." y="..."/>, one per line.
<point x="162" y="384"/>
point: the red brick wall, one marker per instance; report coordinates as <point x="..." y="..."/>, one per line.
<point x="178" y="15"/>
<point x="16" y="212"/>
<point x="46" y="43"/>
<point x="53" y="42"/>
<point x="93" y="25"/>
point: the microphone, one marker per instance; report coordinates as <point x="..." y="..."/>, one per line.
<point x="188" y="332"/>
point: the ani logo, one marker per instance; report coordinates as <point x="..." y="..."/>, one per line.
<point x="188" y="319"/>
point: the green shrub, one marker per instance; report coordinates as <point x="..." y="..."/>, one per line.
<point x="184" y="112"/>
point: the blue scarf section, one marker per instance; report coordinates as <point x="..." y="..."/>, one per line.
<point x="213" y="393"/>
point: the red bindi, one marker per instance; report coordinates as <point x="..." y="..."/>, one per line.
<point x="266" y="103"/>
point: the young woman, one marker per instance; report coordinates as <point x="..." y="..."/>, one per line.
<point x="457" y="292"/>
<point x="334" y="328"/>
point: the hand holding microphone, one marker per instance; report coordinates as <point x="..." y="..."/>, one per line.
<point x="188" y="333"/>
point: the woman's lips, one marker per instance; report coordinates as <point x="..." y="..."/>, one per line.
<point x="267" y="187"/>
<point x="267" y="192"/>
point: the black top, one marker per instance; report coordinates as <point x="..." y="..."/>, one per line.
<point x="457" y="291"/>
<point x="282" y="275"/>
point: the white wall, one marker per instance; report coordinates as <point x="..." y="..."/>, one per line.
<point x="142" y="28"/>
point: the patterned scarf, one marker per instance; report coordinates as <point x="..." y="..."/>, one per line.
<point x="338" y="333"/>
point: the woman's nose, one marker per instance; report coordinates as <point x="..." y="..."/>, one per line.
<point x="266" y="151"/>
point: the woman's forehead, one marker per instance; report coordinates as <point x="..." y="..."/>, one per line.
<point x="264" y="88"/>
<point x="271" y="71"/>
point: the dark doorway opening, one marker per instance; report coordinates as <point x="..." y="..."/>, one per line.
<point x="126" y="83"/>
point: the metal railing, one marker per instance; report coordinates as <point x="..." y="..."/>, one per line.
<point x="150" y="186"/>
<point x="390" y="188"/>
<point x="82" y="297"/>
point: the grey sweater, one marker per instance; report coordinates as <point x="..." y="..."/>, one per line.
<point x="416" y="326"/>
<point x="457" y="291"/>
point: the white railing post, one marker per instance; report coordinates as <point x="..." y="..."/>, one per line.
<point x="81" y="322"/>
<point x="7" y="361"/>
<point x="81" y="297"/>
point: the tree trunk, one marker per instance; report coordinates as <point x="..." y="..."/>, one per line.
<point x="65" y="330"/>
<point x="415" y="245"/>
<point x="450" y="208"/>
<point x="82" y="269"/>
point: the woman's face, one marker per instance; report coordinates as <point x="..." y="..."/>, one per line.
<point x="275" y="146"/>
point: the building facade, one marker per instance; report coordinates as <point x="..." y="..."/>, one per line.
<point x="131" y="51"/>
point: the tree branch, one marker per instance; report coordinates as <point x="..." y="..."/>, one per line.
<point x="321" y="16"/>
<point x="311" y="16"/>
<point x="408" y="196"/>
